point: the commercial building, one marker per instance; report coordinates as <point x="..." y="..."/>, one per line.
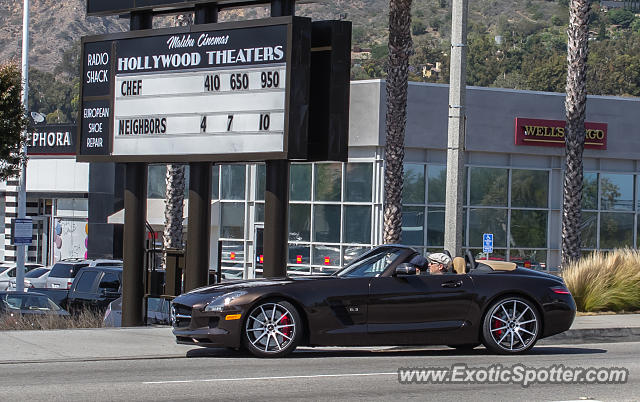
<point x="514" y="189"/>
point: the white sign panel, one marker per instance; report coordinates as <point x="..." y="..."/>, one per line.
<point x="215" y="93"/>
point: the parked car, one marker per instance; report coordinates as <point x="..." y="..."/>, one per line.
<point x="380" y="298"/>
<point x="8" y="274"/>
<point x="95" y="288"/>
<point x="28" y="303"/>
<point x="157" y="312"/>
<point x="36" y="278"/>
<point x="63" y="272"/>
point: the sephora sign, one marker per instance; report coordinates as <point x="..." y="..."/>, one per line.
<point x="219" y="92"/>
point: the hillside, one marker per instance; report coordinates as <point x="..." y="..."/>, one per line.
<point x="519" y="44"/>
<point x="57" y="24"/>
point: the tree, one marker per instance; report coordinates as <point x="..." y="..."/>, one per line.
<point x="397" y="75"/>
<point x="174" y="197"/>
<point x="12" y="121"/>
<point x="575" y="107"/>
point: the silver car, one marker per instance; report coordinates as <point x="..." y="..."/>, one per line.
<point x="36" y="278"/>
<point x="7" y="273"/>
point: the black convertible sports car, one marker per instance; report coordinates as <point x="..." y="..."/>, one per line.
<point x="379" y="299"/>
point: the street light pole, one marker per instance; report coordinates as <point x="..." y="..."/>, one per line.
<point x="456" y="131"/>
<point x="22" y="189"/>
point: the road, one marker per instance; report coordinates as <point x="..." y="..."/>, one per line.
<point x="315" y="374"/>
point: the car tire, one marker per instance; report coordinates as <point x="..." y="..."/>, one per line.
<point x="465" y="346"/>
<point x="511" y="325"/>
<point x="272" y="329"/>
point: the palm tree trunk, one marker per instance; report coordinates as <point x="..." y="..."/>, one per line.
<point x="174" y="196"/>
<point x="575" y="106"/>
<point x="397" y="74"/>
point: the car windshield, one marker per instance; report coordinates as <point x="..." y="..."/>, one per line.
<point x="372" y="264"/>
<point x="36" y="273"/>
<point x="30" y="302"/>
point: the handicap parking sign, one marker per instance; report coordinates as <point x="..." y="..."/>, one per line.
<point x="487" y="243"/>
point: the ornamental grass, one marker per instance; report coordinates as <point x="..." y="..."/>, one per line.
<point x="84" y="319"/>
<point x="605" y="281"/>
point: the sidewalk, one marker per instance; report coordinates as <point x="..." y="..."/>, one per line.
<point x="159" y="343"/>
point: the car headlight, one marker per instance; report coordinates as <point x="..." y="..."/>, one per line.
<point x="222" y="301"/>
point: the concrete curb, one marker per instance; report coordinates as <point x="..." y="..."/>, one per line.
<point x="594" y="335"/>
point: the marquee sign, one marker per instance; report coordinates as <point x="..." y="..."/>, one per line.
<point x="217" y="92"/>
<point x="52" y="139"/>
<point x="551" y="133"/>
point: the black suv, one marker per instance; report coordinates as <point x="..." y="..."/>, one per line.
<point x="94" y="288"/>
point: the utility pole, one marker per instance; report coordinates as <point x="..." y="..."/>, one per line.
<point x="22" y="189"/>
<point x="456" y="132"/>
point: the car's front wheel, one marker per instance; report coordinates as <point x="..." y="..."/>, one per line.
<point x="272" y="329"/>
<point x="512" y="325"/>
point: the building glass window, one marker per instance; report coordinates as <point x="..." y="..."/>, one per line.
<point x="326" y="220"/>
<point x="488" y="186"/>
<point x="157" y="182"/>
<point x="232" y="216"/>
<point x="529" y="188"/>
<point x="589" y="230"/>
<point x="357" y="224"/>
<point x="616" y="192"/>
<point x="413" y="187"/>
<point x="358" y="178"/>
<point x="616" y="230"/>
<point x="261" y="177"/>
<point x="328" y="182"/>
<point x="534" y="259"/>
<point x="299" y="258"/>
<point x="528" y="229"/>
<point x="299" y="222"/>
<point x="413" y="226"/>
<point x="487" y="220"/>
<point x="435" y="231"/>
<point x="300" y="178"/>
<point x="259" y="212"/>
<point x="590" y="190"/>
<point x="325" y="256"/>
<point x="233" y="182"/>
<point x="437" y="184"/>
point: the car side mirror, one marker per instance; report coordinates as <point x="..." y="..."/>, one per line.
<point x="405" y="269"/>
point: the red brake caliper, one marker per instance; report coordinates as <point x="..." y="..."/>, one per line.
<point x="284" y="320"/>
<point x="497" y="324"/>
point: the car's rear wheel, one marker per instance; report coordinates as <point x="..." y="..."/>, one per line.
<point x="512" y="325"/>
<point x="272" y="329"/>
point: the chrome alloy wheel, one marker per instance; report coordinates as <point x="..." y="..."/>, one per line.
<point x="514" y="325"/>
<point x="271" y="328"/>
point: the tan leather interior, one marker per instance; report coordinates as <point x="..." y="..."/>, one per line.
<point x="499" y="265"/>
<point x="459" y="265"/>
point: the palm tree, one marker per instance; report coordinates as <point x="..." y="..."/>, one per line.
<point x="174" y="195"/>
<point x="397" y="74"/>
<point x="575" y="106"/>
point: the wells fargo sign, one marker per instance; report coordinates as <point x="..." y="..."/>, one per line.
<point x="551" y="133"/>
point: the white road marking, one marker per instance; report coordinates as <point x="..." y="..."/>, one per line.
<point x="291" y="377"/>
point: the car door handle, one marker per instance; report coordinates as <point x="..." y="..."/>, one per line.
<point x="452" y="284"/>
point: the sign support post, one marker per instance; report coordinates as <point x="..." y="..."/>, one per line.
<point x="135" y="213"/>
<point x="276" y="197"/>
<point x="199" y="220"/>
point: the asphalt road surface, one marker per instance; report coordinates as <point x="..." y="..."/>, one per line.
<point x="314" y="374"/>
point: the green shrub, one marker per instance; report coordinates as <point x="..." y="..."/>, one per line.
<point x="605" y="281"/>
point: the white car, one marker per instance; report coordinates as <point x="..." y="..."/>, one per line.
<point x="36" y="278"/>
<point x="63" y="272"/>
<point x="7" y="273"/>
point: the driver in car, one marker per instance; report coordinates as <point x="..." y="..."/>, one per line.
<point x="439" y="263"/>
